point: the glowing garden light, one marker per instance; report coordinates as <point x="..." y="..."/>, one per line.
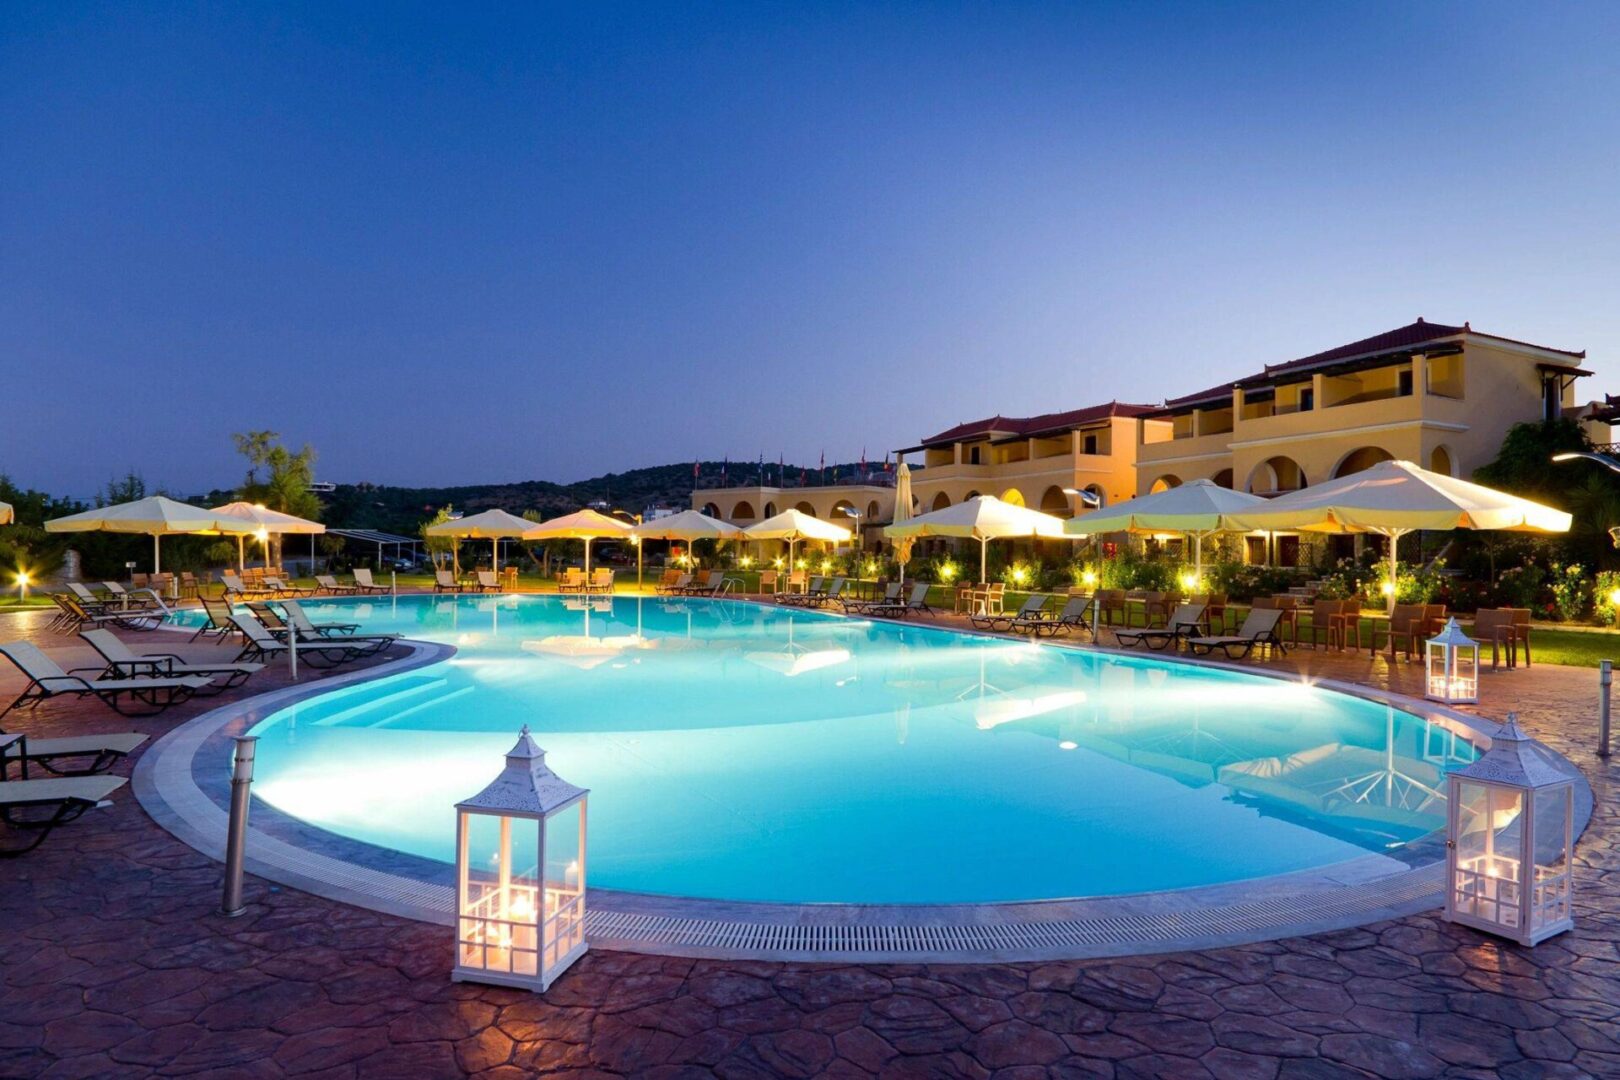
<point x="1510" y="841"/>
<point x="1451" y="661"/>
<point x="1089" y="577"/>
<point x="520" y="910"/>
<point x="947" y="571"/>
<point x="1020" y="574"/>
<point x="22" y="585"/>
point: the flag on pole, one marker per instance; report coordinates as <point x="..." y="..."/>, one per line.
<point x="824" y="467"/>
<point x="725" y="462"/>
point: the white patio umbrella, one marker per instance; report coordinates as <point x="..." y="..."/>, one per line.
<point x="983" y="518"/>
<point x="902" y="514"/>
<point x="266" y="521"/>
<point x="1394" y="498"/>
<point x="793" y="526"/>
<point x="156" y="516"/>
<point x="7" y="515"/>
<point x="586" y="525"/>
<point x="1196" y="509"/>
<point x="492" y="525"/>
<point x="687" y="526"/>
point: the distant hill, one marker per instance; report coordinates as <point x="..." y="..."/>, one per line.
<point x="403" y="509"/>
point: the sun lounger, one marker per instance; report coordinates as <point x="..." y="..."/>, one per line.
<point x="286" y="588"/>
<point x="916" y="603"/>
<point x="102" y="750"/>
<point x="891" y="596"/>
<point x="363" y="582"/>
<point x="235" y="587"/>
<point x="369" y="644"/>
<point x="46" y="680"/>
<point x="1001" y="620"/>
<point x="677" y="586"/>
<point x="827" y="597"/>
<point x="217" y="619"/>
<point x="65" y="797"/>
<point x="810" y="595"/>
<point x="123" y="662"/>
<point x="601" y="582"/>
<point x="487" y="581"/>
<point x="321" y="652"/>
<point x="72" y="616"/>
<point x="333" y="586"/>
<point x="445" y="581"/>
<point x="714" y="581"/>
<point x="1259" y="628"/>
<point x="572" y="581"/>
<point x="1044" y="623"/>
<point x="1184" y="622"/>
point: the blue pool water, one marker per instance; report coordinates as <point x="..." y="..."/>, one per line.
<point x="745" y="752"/>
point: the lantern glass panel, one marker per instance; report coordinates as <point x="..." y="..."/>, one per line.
<point x="498" y="929"/>
<point x="1487" y="880"/>
<point x="1550" y="899"/>
<point x="565" y="883"/>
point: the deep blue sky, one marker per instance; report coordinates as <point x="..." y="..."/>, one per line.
<point x="448" y="244"/>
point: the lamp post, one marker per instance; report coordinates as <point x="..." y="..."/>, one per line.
<point x="1510" y="841"/>
<point x="22" y="586"/>
<point x="520" y="875"/>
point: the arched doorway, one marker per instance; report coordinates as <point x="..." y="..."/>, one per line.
<point x="743" y="511"/>
<point x="972" y="495"/>
<point x="1441" y="461"/>
<point x="1013" y="496"/>
<point x="941" y="501"/>
<point x="1096" y="491"/>
<point x="770" y="509"/>
<point x="1276" y="474"/>
<point x="1223" y="478"/>
<point x="1357" y="460"/>
<point x="1053" y="501"/>
<point x="806" y="508"/>
<point x="711" y="510"/>
<point x="873" y="510"/>
<point x="1164" y="483"/>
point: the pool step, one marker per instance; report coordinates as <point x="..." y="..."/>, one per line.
<point x="405" y="691"/>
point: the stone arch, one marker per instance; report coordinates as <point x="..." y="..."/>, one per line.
<point x="1164" y="483"/>
<point x="1362" y="457"/>
<point x="1012" y="495"/>
<point x="941" y="501"/>
<point x="973" y="495"/>
<point x="1223" y="478"/>
<point x="1097" y="490"/>
<point x="770" y="509"/>
<point x="838" y="509"/>
<point x="873" y="510"/>
<point x="1276" y="474"/>
<point x="743" y="511"/>
<point x="711" y="510"/>
<point x="1053" y="501"/>
<point x="1442" y="460"/>
<point x="806" y="508"/>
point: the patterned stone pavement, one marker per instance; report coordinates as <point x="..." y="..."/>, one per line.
<point x="113" y="964"/>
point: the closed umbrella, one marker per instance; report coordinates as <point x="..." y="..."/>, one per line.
<point x="266" y="521"/>
<point x="1196" y="509"/>
<point x="983" y="518"/>
<point x="586" y="525"/>
<point x="493" y="525"/>
<point x="902" y="514"/>
<point x="156" y="516"/>
<point x="795" y="525"/>
<point x="1394" y="498"/>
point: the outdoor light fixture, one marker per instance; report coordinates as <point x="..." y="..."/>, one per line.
<point x="947" y="570"/>
<point x="1019" y="574"/>
<point x="1452" y="663"/>
<point x="22" y="585"/>
<point x="746" y="561"/>
<point x="1189" y="581"/>
<point x="1088" y="499"/>
<point x="1510" y="841"/>
<point x="1089" y="577"/>
<point x="1387" y="588"/>
<point x="520" y="875"/>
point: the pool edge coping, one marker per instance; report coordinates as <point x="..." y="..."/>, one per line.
<point x="1332" y="897"/>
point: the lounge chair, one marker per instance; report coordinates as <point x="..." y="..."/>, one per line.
<point x="1001" y="620"/>
<point x="46" y="680"/>
<point x="445" y="581"/>
<point x="1259" y="628"/>
<point x="370" y="644"/>
<point x="65" y="797"/>
<point x="891" y="596"/>
<point x="1500" y="627"/>
<point x="1409" y="624"/>
<point x="487" y="581"/>
<point x="572" y="581"/>
<point x="714" y="581"/>
<point x="363" y="582"/>
<point x="237" y="588"/>
<point x="769" y="581"/>
<point x="803" y="595"/>
<point x="1184" y="622"/>
<point x="333" y="586"/>
<point x="102" y="750"/>
<point x="677" y="586"/>
<point x="321" y="652"/>
<point x="601" y="581"/>
<point x="286" y="588"/>
<point x="105" y="615"/>
<point x="123" y="662"/>
<point x="217" y="619"/>
<point x="1071" y="618"/>
<point x="917" y="603"/>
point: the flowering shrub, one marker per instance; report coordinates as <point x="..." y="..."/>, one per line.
<point x="1571" y="591"/>
<point x="1607" y="597"/>
<point x="1520" y="586"/>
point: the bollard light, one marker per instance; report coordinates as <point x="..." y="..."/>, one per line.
<point x="1510" y="840"/>
<point x="1451" y="663"/>
<point x="520" y="875"/>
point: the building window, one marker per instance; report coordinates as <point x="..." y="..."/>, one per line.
<point x="1287" y="551"/>
<point x="973" y="455"/>
<point x="1403" y="381"/>
<point x="1307" y="399"/>
<point x="1552" y="394"/>
<point x="1257" y="550"/>
<point x="1090" y="443"/>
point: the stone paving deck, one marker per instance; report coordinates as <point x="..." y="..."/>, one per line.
<point x="113" y="964"/>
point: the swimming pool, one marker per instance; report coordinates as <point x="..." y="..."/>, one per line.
<point x="743" y="752"/>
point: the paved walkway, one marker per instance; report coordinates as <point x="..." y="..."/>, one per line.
<point x="113" y="964"/>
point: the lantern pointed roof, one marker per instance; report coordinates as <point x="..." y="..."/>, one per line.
<point x="526" y="786"/>
<point x="1452" y="634"/>
<point x="1515" y="758"/>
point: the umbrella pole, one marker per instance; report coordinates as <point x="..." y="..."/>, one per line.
<point x="157" y="554"/>
<point x="241" y="554"/>
<point x="587" y="556"/>
<point x="496" y="561"/>
<point x="1198" y="559"/>
<point x="984" y="557"/>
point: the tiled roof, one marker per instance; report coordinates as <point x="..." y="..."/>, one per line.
<point x="1044" y="424"/>
<point x="1401" y="339"/>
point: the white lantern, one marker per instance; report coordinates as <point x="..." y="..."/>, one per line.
<point x="520" y="875"/>
<point x="1451" y="662"/>
<point x="1510" y="840"/>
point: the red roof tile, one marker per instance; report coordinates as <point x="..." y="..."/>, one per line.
<point x="1036" y="425"/>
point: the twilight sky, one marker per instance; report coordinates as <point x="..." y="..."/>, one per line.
<point x="451" y="244"/>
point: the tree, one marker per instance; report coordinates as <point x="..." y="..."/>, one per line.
<point x="438" y="547"/>
<point x="1590" y="493"/>
<point x="277" y="478"/>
